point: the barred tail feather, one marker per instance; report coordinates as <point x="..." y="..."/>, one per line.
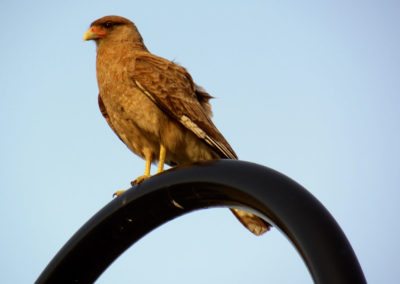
<point x="253" y="223"/>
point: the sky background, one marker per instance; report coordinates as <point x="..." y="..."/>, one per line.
<point x="308" y="88"/>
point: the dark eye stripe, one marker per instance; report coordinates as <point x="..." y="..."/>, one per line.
<point x="108" y="24"/>
<point x="111" y="24"/>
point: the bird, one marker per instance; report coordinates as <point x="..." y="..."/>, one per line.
<point x="154" y="106"/>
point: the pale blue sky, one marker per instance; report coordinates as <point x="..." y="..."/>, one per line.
<point x="309" y="88"/>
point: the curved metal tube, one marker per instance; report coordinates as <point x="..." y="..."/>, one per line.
<point x="273" y="196"/>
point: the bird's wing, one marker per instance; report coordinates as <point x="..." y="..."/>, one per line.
<point x="172" y="89"/>
<point x="103" y="111"/>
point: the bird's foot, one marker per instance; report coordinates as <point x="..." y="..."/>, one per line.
<point x="133" y="183"/>
<point x="118" y="193"/>
<point x="139" y="180"/>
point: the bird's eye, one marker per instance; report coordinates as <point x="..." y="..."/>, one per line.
<point x="108" y="25"/>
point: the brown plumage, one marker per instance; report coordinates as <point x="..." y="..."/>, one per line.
<point x="154" y="106"/>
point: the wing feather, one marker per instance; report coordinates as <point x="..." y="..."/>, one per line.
<point x="104" y="112"/>
<point x="172" y="89"/>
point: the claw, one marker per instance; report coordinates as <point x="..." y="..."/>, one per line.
<point x="118" y="193"/>
<point x="139" y="180"/>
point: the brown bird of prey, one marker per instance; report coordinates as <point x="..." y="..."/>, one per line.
<point x="154" y="106"/>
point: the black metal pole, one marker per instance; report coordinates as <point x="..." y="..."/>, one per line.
<point x="281" y="201"/>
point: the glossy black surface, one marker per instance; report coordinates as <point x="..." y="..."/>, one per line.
<point x="281" y="201"/>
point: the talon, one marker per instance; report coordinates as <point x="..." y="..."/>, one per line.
<point x="139" y="180"/>
<point x="118" y="193"/>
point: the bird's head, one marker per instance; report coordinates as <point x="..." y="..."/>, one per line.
<point x="113" y="29"/>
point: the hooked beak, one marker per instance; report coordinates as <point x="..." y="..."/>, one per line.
<point x="93" y="33"/>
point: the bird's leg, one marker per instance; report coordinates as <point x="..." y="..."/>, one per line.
<point x="149" y="157"/>
<point x="160" y="169"/>
<point x="161" y="159"/>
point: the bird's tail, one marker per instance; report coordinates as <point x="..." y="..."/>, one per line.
<point x="253" y="223"/>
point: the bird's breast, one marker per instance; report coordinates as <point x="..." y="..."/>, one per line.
<point x="138" y="121"/>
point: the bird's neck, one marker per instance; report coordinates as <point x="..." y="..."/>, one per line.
<point x="112" y="59"/>
<point x="110" y="53"/>
<point x="116" y="46"/>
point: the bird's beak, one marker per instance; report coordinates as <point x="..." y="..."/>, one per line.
<point x="93" y="33"/>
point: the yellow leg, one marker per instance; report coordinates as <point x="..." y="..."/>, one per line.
<point x="161" y="159"/>
<point x="148" y="165"/>
<point x="148" y="156"/>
